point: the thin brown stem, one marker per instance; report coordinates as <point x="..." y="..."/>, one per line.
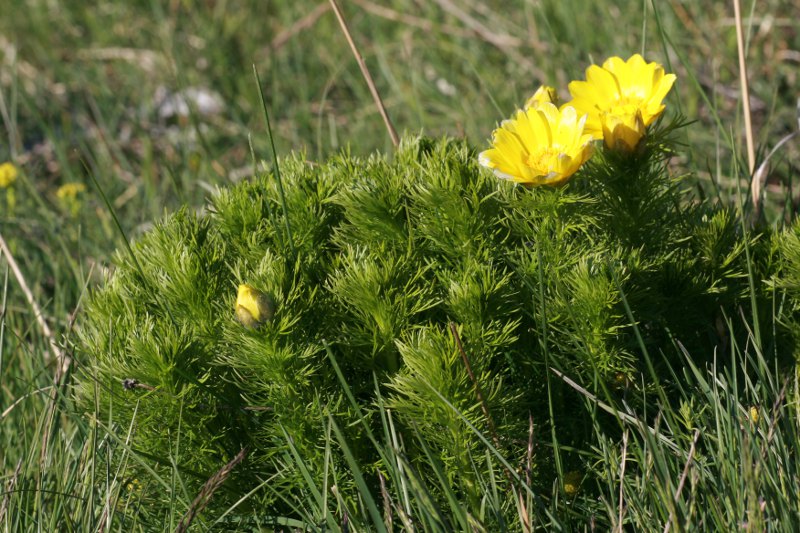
<point x="508" y="44"/>
<point x="10" y="485"/>
<point x="301" y="25"/>
<point x="682" y="480"/>
<point x="365" y="72"/>
<point x="412" y="21"/>
<point x="521" y="509"/>
<point x="478" y="390"/>
<point x="61" y="358"/>
<point x="621" y="511"/>
<point x="748" y="126"/>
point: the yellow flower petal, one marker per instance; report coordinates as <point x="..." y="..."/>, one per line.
<point x="603" y="84"/>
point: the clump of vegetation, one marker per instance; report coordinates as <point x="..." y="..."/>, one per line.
<point x="437" y="292"/>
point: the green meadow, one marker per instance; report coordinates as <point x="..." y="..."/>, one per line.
<point x="435" y="349"/>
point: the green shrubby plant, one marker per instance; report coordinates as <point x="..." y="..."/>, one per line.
<point x="407" y="274"/>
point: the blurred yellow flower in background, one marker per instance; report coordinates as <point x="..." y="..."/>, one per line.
<point x="70" y="191"/>
<point x="253" y="307"/>
<point x="67" y="195"/>
<point x="541" y="145"/>
<point x="621" y="99"/>
<point x="543" y="94"/>
<point x="8" y="175"/>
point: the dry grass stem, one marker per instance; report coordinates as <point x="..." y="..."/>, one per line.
<point x="682" y="480"/>
<point x="150" y="61"/>
<point x="521" y="509"/>
<point x="623" y="461"/>
<point x="508" y="44"/>
<point x="365" y="72"/>
<point x="748" y="126"/>
<point x="62" y="359"/>
<point x="10" y="485"/>
<point x="760" y="175"/>
<point x="499" y="40"/>
<point x="623" y="417"/>
<point x="478" y="389"/>
<point x="7" y="410"/>
<point x="411" y="20"/>
<point x="387" y="503"/>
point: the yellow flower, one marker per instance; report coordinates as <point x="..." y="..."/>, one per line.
<point x="8" y="175"/>
<point x="543" y="94"/>
<point x="572" y="482"/>
<point x="621" y="99"/>
<point x="69" y="191"/>
<point x="67" y="194"/>
<point x="539" y="146"/>
<point x="253" y="307"/>
<point x="754" y="416"/>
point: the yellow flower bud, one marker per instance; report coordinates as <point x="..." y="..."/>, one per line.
<point x="622" y="132"/>
<point x="620" y="380"/>
<point x="543" y="94"/>
<point x="572" y="482"/>
<point x="253" y="307"/>
<point x="754" y="414"/>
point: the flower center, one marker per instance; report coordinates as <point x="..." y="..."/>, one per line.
<point x="542" y="161"/>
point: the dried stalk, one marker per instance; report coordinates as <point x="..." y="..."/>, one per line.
<point x="365" y="72"/>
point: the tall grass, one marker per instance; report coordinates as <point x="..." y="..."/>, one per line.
<point x="718" y="457"/>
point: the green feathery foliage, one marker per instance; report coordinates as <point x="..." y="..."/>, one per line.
<point x="433" y="286"/>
